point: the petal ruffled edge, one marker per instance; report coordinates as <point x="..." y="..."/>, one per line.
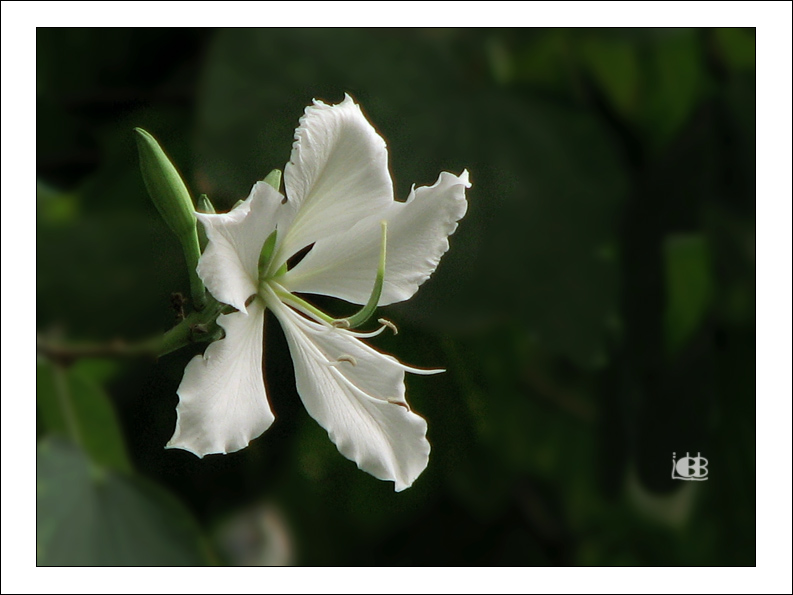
<point x="337" y="173"/>
<point x="358" y="395"/>
<point x="345" y="265"/>
<point x="229" y="265"/>
<point x="222" y="400"/>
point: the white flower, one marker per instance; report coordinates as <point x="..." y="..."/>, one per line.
<point x="340" y="200"/>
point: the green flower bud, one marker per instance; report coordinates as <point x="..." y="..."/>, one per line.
<point x="172" y="199"/>
<point x="165" y="185"/>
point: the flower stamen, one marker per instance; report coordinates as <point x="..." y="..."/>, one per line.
<point x="351" y="322"/>
<point x="389" y="324"/>
<point x="368" y="310"/>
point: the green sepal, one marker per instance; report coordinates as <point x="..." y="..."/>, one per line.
<point x="267" y="253"/>
<point x="204" y="205"/>
<point x="274" y="179"/>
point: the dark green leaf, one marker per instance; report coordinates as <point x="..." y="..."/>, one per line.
<point x="736" y="46"/>
<point x="688" y="287"/>
<point x="72" y="405"/>
<point x="675" y="79"/>
<point x="614" y="64"/>
<point x="90" y="516"/>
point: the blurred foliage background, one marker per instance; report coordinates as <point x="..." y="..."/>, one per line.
<point x="596" y="311"/>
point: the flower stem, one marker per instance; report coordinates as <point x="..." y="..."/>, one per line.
<point x="198" y="327"/>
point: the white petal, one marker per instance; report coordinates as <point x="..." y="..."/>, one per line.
<point x="345" y="265"/>
<point x="222" y="403"/>
<point x="229" y="265"/>
<point x="337" y="174"/>
<point x="359" y="400"/>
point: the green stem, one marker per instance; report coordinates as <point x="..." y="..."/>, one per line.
<point x="195" y="328"/>
<point x="198" y="327"/>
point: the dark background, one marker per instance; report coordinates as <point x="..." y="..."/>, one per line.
<point x="596" y="311"/>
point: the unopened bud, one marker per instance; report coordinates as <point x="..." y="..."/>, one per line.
<point x="166" y="188"/>
<point x="172" y="199"/>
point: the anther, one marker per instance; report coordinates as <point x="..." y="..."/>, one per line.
<point x="389" y="324"/>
